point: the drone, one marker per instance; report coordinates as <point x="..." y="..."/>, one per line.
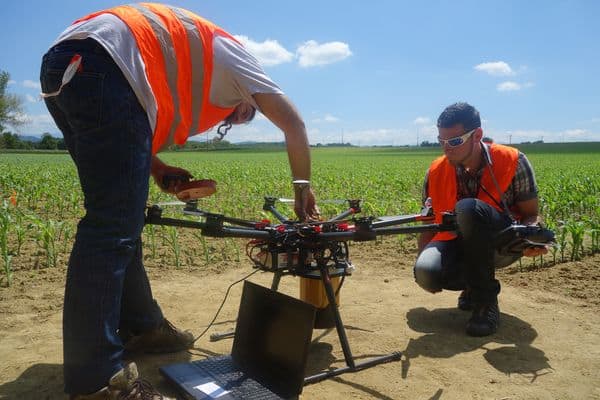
<point x="313" y="249"/>
<point x="292" y="247"/>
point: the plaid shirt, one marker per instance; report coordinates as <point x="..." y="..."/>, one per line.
<point x="522" y="188"/>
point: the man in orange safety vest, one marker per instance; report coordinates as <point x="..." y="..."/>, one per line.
<point x="488" y="187"/>
<point x="123" y="84"/>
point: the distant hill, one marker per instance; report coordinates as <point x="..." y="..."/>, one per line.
<point x="30" y="138"/>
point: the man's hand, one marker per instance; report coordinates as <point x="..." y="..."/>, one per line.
<point x="166" y="177"/>
<point x="529" y="211"/>
<point x="305" y="205"/>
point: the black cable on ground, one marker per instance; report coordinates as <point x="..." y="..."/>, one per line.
<point x="223" y="303"/>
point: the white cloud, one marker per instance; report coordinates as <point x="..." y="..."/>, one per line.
<point x="327" y="118"/>
<point x="32" y="84"/>
<point x="496" y="68"/>
<point x="39" y="124"/>
<point x="11" y="82"/>
<point x="508" y="86"/>
<point x="268" y="53"/>
<point x="312" y="54"/>
<point x="576" y="134"/>
<point x="259" y="130"/>
<point x="422" y="121"/>
<point x="528" y="84"/>
<point x="30" y="98"/>
<point x="367" y="137"/>
<point x="521" y="135"/>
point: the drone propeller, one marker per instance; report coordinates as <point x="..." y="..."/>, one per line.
<point x="170" y="203"/>
<point x="392" y="217"/>
<point x="190" y="204"/>
<point x="331" y="201"/>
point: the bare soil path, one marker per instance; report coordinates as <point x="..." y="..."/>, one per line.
<point x="548" y="345"/>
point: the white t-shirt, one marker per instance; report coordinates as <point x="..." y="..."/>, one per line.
<point x="236" y="76"/>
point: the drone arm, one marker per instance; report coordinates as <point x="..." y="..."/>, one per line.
<point x="269" y="206"/>
<point x="212" y="227"/>
<point x="158" y="220"/>
<point x="343" y="215"/>
<point x="402" y="219"/>
<point x="239" y="233"/>
<point x="412" y="229"/>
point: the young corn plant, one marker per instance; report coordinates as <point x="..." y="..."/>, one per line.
<point x="205" y="248"/>
<point x="20" y="230"/>
<point x="594" y="234"/>
<point x="172" y="239"/>
<point x="47" y="236"/>
<point x="577" y="231"/>
<point x="8" y="273"/>
<point x="553" y="249"/>
<point x="150" y="233"/>
<point x="561" y="239"/>
<point x="233" y="245"/>
<point x="66" y="236"/>
<point x="4" y="252"/>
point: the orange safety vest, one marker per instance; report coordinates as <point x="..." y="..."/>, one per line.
<point x="442" y="186"/>
<point x="176" y="46"/>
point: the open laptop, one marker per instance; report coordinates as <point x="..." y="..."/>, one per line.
<point x="268" y="357"/>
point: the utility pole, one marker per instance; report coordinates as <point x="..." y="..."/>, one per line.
<point x="417" y="136"/>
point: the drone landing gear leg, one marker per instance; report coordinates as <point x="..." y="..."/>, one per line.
<point x="351" y="366"/>
<point x="276" y="278"/>
<point x="215" y="337"/>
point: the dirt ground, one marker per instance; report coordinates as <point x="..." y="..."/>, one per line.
<point x="547" y="347"/>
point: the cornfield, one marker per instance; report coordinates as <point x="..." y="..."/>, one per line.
<point x="41" y="200"/>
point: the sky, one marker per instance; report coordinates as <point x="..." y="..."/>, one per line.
<point x="377" y="72"/>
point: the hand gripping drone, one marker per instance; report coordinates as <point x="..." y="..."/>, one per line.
<point x="314" y="250"/>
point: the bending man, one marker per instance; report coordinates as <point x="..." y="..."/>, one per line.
<point x="123" y="84"/>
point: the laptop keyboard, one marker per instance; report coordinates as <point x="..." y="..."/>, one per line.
<point x="236" y="382"/>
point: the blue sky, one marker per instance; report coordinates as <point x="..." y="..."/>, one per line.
<point x="379" y="72"/>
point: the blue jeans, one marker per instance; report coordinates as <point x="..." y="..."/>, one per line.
<point x="470" y="260"/>
<point x="109" y="139"/>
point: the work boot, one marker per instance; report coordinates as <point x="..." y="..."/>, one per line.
<point x="126" y="385"/>
<point x="165" y="338"/>
<point x="485" y="319"/>
<point x="464" y="300"/>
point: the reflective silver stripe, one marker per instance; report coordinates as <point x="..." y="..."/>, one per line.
<point x="197" y="60"/>
<point x="168" y="52"/>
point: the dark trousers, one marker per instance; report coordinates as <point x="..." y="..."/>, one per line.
<point x="109" y="139"/>
<point x="470" y="260"/>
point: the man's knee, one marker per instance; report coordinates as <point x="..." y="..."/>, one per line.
<point x="428" y="277"/>
<point x="472" y="215"/>
<point x="466" y="211"/>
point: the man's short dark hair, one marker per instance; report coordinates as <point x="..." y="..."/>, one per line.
<point x="459" y="113"/>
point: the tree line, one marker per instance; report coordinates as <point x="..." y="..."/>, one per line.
<point x="12" y="116"/>
<point x="12" y="141"/>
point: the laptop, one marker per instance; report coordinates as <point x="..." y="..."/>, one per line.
<point x="268" y="357"/>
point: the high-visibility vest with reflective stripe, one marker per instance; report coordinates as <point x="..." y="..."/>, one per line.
<point x="176" y="46"/>
<point x="442" y="186"/>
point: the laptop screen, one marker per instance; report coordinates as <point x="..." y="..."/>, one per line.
<point x="272" y="338"/>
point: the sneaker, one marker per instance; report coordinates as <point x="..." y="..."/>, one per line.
<point x="464" y="300"/>
<point x="125" y="385"/>
<point x="165" y="338"/>
<point x="485" y="319"/>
